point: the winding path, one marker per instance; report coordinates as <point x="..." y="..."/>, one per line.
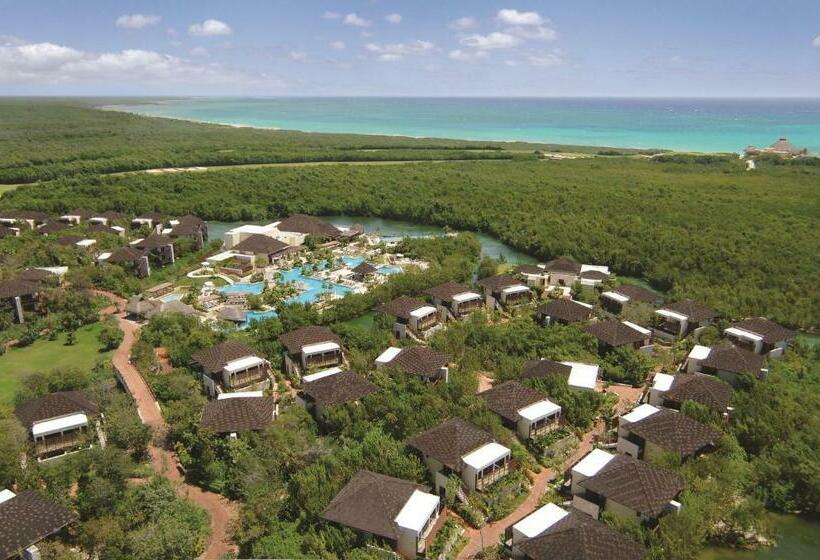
<point x="164" y="462"/>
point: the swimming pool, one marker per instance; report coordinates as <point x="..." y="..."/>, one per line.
<point x="171" y="297"/>
<point x="314" y="288"/>
<point x="251" y="316"/>
<point x="244" y="288"/>
<point x="353" y="262"/>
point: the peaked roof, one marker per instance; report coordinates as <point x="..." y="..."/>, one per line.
<point x="370" y="502"/>
<point x="566" y="310"/>
<point x="232" y="313"/>
<point x="704" y="389"/>
<point x="18" y="287"/>
<point x="28" y="518"/>
<point x="102" y="228"/>
<point x="694" y="310"/>
<point x="124" y="255"/>
<point x="509" y="397"/>
<point x="186" y="228"/>
<point x="69" y="240"/>
<point x="638" y="485"/>
<point x="676" y="432"/>
<point x="450" y="441"/>
<point x="83" y="213"/>
<point x="636" y="293"/>
<point x="733" y="359"/>
<point x="401" y="307"/>
<point x="310" y="225"/>
<point x="529" y="269"/>
<point x="499" y="282"/>
<point x="420" y="360"/>
<point x="339" y="388"/>
<point x="614" y="333"/>
<point x="238" y="414"/>
<point x="53" y="405"/>
<point x="154" y="241"/>
<point x="364" y="268"/>
<point x="769" y="330"/>
<point x="294" y="340"/>
<point x="52" y="227"/>
<point x="260" y="244"/>
<point x="446" y="291"/>
<point x="213" y="359"/>
<point x="535" y="369"/>
<point x="579" y="537"/>
<point x="563" y="265"/>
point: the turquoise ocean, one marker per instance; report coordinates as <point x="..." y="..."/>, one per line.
<point x="707" y="125"/>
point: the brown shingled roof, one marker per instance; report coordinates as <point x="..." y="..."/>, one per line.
<point x="769" y="330"/>
<point x="733" y="359"/>
<point x="499" y="282"/>
<point x="238" y="414"/>
<point x="637" y="293"/>
<point x="260" y="244"/>
<point x="579" y="537"/>
<point x="296" y="339"/>
<point x="420" y="360"/>
<point x="537" y="369"/>
<point x="529" y="269"/>
<point x="704" y="389"/>
<point x="310" y="225"/>
<point x="638" y="485"/>
<point x="154" y="241"/>
<point x="61" y="403"/>
<point x="594" y="275"/>
<point x="213" y="359"/>
<point x="52" y="227"/>
<point x="401" y="307"/>
<point x="448" y="442"/>
<point x="566" y="310"/>
<point x="370" y="502"/>
<point x="509" y="397"/>
<point x="28" y="518"/>
<point x="563" y="265"/>
<point x="365" y="269"/>
<point x="694" y="310"/>
<point x="338" y="388"/>
<point x="124" y="255"/>
<point x="18" y="287"/>
<point x="445" y="292"/>
<point x="614" y="333"/>
<point x="676" y="432"/>
<point x="68" y="240"/>
<point x="102" y="228"/>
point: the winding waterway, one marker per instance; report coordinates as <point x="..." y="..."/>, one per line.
<point x="798" y="538"/>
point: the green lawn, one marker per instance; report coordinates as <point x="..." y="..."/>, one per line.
<point x="45" y="355"/>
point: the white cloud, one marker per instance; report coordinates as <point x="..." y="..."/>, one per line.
<point x="514" y="17"/>
<point x="199" y="51"/>
<point x="539" y="32"/>
<point x="338" y="45"/>
<point x="210" y="28"/>
<point x="297" y="55"/>
<point x="393" y="18"/>
<point x="357" y="20"/>
<point x="494" y="40"/>
<point x="391" y="52"/>
<point x="465" y="55"/>
<point x="137" y="21"/>
<point x="816" y="41"/>
<point x="464" y="23"/>
<point x="331" y="15"/>
<point x="546" y="58"/>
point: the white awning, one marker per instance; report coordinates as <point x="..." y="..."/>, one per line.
<point x="103" y="256"/>
<point x="639" y="413"/>
<point x="699" y="352"/>
<point x="136" y="241"/>
<point x="540" y="520"/>
<point x="485" y="455"/>
<point x="6" y="495"/>
<point x="243" y="363"/>
<point x="663" y="381"/>
<point x="86" y="242"/>
<point x="319" y="348"/>
<point x="615" y="296"/>
<point x="466" y="296"/>
<point x="240" y="395"/>
<point x="57" y="425"/>
<point x="388" y="355"/>
<point x="638" y="328"/>
<point x="740" y="333"/>
<point x="671" y="315"/>
<point x="539" y="410"/>
<point x="582" y="376"/>
<point x="594" y="268"/>
<point x="587" y="305"/>
<point x="417" y="511"/>
<point x="594" y="461"/>
<point x="514" y="290"/>
<point x="223" y="256"/>
<point x="320" y="374"/>
<point x="423" y="311"/>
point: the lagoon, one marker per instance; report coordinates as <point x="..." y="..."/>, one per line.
<point x="798" y="538"/>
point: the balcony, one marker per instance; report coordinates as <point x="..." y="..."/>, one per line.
<point x="545" y="426"/>
<point x="59" y="442"/>
<point x="248" y="377"/>
<point x="323" y="360"/>
<point x="492" y="473"/>
<point x="467" y="307"/>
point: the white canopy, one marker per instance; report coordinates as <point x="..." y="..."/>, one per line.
<point x="740" y="333"/>
<point x="242" y="364"/>
<point x="540" y="520"/>
<point x="699" y="352"/>
<point x="417" y="511"/>
<point x="615" y="296"/>
<point x="639" y="413"/>
<point x="239" y="395"/>
<point x="595" y="268"/>
<point x="86" y="242"/>
<point x="320" y="374"/>
<point x="466" y="296"/>
<point x="514" y="290"/>
<point x="319" y="348"/>
<point x="638" y="328"/>
<point x="594" y="461"/>
<point x="671" y="314"/>
<point x="662" y="381"/>
<point x="582" y="376"/>
<point x="423" y="311"/>
<point x="57" y="425"/>
<point x="485" y="455"/>
<point x="539" y="410"/>
<point x="388" y="355"/>
<point x="6" y="495"/>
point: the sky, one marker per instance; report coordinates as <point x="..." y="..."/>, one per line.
<point x="635" y="48"/>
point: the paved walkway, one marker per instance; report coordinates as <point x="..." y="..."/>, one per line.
<point x="165" y="462"/>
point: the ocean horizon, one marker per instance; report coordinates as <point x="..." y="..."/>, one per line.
<point x="685" y="124"/>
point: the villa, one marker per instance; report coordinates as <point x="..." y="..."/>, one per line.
<point x="77" y="242"/>
<point x="309" y="225"/>
<point x="76" y="216"/>
<point x="402" y="513"/>
<point x="51" y="228"/>
<point x="458" y="447"/>
<point x="190" y="227"/>
<point x="622" y="485"/>
<point x="681" y="318"/>
<point x="26" y="519"/>
<point x="420" y="361"/>
<point x="149" y="220"/>
<point x="232" y="366"/>
<point x="563" y="312"/>
<point x="522" y="409"/>
<point x="671" y="391"/>
<point x="292" y="230"/>
<point x="580" y="376"/>
<point x="782" y="147"/>
<point x="310" y="348"/>
<point x="647" y="431"/>
<point x="30" y="218"/>
<point x="505" y="292"/>
<point x="129" y="258"/>
<point x="22" y="291"/>
<point x="552" y="533"/>
<point x="364" y="271"/>
<point x="615" y="299"/>
<point x="454" y="300"/>
<point x="413" y="317"/>
<point x="332" y="387"/>
<point x="235" y="413"/>
<point x="269" y="249"/>
<point x="566" y="272"/>
<point x="58" y="423"/>
<point x="106" y="218"/>
<point x="760" y="336"/>
<point x="534" y="275"/>
<point x="157" y="247"/>
<point x="108" y="230"/>
<point x="613" y="334"/>
<point x="726" y="362"/>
